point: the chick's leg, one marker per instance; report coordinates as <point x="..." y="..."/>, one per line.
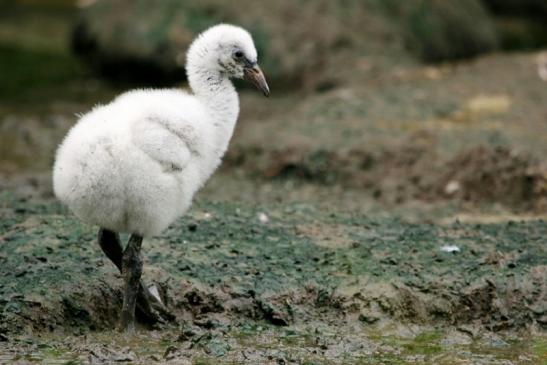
<point x="112" y="247"/>
<point x="131" y="271"/>
<point x="149" y="309"/>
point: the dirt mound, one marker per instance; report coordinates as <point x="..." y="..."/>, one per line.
<point x="411" y="171"/>
<point x="496" y="174"/>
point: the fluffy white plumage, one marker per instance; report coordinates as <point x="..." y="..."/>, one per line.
<point x="135" y="164"/>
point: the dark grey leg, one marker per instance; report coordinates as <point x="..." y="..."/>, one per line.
<point x="112" y="247"/>
<point x="149" y="309"/>
<point x="131" y="271"/>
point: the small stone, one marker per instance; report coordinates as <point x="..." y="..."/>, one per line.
<point x="263" y="218"/>
<point x="450" y="248"/>
<point x="155" y="292"/>
<point x="452" y="187"/>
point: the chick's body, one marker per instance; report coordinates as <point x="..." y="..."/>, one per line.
<point x="134" y="165"/>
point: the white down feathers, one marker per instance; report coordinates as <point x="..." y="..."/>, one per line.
<point x="134" y="165"/>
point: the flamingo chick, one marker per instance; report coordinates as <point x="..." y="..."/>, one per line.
<point x="134" y="165"/>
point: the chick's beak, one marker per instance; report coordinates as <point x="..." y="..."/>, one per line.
<point x="255" y="75"/>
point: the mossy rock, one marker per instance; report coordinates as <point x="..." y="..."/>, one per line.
<point x="440" y="30"/>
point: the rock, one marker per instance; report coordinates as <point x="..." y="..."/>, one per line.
<point x="263" y="218"/>
<point x="452" y="187"/>
<point x="440" y="30"/>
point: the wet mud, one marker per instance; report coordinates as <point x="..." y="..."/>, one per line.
<point x="228" y="274"/>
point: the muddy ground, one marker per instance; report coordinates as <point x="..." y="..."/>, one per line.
<point x="394" y="217"/>
<point x="283" y="283"/>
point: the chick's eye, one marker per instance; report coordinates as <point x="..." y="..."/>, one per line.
<point x="238" y="54"/>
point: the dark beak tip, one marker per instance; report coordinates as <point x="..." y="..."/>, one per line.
<point x="256" y="76"/>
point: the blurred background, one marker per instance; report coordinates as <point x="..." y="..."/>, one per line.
<point x="376" y="104"/>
